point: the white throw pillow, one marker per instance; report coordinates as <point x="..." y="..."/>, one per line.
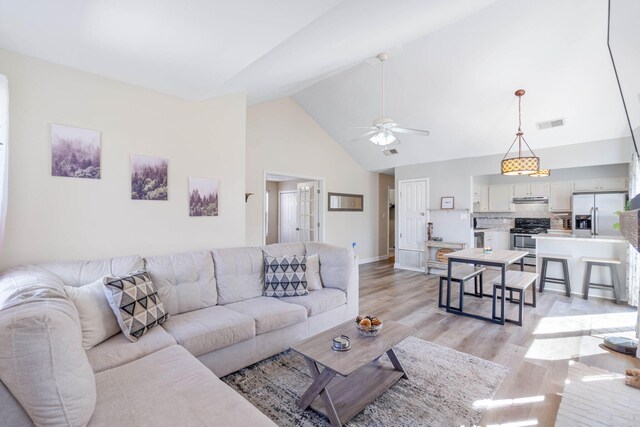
<point x="314" y="282"/>
<point x="96" y="317"/>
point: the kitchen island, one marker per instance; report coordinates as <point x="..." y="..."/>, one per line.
<point x="577" y="247"/>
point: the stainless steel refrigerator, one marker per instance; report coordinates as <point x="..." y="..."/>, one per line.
<point x="594" y="214"/>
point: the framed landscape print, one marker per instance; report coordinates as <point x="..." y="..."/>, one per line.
<point x="203" y="196"/>
<point x="75" y="152"/>
<point x="149" y="178"/>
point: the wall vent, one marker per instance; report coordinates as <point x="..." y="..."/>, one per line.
<point x="390" y="152"/>
<point x="550" y="124"/>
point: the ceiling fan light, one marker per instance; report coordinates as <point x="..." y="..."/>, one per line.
<point x="383" y="138"/>
<point x="520" y="165"/>
<point x="541" y="173"/>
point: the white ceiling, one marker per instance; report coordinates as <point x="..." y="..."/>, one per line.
<point x="198" y="49"/>
<point x="453" y="68"/>
<point x="459" y="83"/>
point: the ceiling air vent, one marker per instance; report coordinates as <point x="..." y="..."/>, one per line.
<point x="390" y="152"/>
<point x="550" y="124"/>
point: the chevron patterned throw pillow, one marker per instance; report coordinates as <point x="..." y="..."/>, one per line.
<point x="135" y="302"/>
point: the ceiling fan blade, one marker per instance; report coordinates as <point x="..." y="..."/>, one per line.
<point x="362" y="127"/>
<point x="413" y="131"/>
<point x="364" y="135"/>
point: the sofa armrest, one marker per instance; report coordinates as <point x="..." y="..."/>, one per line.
<point x="339" y="270"/>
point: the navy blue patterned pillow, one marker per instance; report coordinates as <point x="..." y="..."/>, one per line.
<point x="285" y="276"/>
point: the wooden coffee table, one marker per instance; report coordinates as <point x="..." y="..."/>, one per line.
<point x="351" y="379"/>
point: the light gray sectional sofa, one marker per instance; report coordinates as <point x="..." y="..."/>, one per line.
<point x="219" y="322"/>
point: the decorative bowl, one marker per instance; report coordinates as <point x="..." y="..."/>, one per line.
<point x="368" y="330"/>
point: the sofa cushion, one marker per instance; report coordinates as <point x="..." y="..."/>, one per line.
<point x="208" y="329"/>
<point x="135" y="302"/>
<point x="118" y="350"/>
<point x="270" y="313"/>
<point x="169" y="388"/>
<point x="317" y="302"/>
<point x="336" y="264"/>
<point x="314" y="282"/>
<point x="285" y="276"/>
<point x="185" y="282"/>
<point x="79" y="273"/>
<point x="284" y="249"/>
<point x="42" y="362"/>
<point x="239" y="274"/>
<point x="96" y="318"/>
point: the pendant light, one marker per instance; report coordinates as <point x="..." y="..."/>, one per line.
<point x="541" y="173"/>
<point x="520" y="165"/>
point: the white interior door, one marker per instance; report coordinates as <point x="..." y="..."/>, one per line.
<point x="288" y="214"/>
<point x="308" y="211"/>
<point x="411" y="222"/>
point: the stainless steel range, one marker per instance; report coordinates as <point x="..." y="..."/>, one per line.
<point x="522" y="236"/>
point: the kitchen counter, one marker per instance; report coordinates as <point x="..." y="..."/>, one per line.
<point x="573" y="237"/>
<point x="577" y="247"/>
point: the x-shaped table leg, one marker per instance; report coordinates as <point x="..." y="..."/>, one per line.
<point x="320" y="382"/>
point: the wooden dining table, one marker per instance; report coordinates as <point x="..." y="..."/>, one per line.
<point x="477" y="256"/>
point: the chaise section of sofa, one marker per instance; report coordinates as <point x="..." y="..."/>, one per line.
<point x="219" y="322"/>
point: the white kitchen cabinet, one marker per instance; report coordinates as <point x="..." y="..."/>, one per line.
<point x="521" y="190"/>
<point x="612" y="184"/>
<point x="500" y="198"/>
<point x="560" y="196"/>
<point x="539" y="189"/>
<point x="480" y="198"/>
<point x="528" y="190"/>
<point x="601" y="184"/>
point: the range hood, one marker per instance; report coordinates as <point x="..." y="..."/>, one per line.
<point x="530" y="200"/>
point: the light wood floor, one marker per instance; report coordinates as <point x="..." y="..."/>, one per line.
<point x="558" y="330"/>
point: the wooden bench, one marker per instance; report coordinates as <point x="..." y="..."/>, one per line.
<point x="610" y="263"/>
<point x="460" y="274"/>
<point x="515" y="281"/>
<point x="565" y="280"/>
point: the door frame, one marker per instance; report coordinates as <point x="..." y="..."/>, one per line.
<point x="399" y="217"/>
<point x="321" y="200"/>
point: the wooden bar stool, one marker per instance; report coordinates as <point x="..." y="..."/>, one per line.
<point x="566" y="280"/>
<point x="460" y="274"/>
<point x="610" y="263"/>
<point x="518" y="282"/>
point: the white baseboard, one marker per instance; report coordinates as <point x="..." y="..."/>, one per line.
<point x="373" y="259"/>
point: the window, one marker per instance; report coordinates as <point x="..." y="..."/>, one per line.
<point x="266" y="213"/>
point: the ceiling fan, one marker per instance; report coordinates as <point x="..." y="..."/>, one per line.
<point x="384" y="129"/>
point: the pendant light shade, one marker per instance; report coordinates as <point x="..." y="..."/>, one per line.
<point x="541" y="173"/>
<point x="520" y="164"/>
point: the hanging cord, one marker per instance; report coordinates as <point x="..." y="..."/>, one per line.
<point x="519" y="134"/>
<point x="382" y="87"/>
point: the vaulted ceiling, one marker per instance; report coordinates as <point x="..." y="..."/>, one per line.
<point x="198" y="49"/>
<point x="459" y="83"/>
<point x="453" y="68"/>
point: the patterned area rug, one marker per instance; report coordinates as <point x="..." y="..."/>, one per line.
<point x="443" y="384"/>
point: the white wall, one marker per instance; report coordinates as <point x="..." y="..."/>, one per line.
<point x="56" y="218"/>
<point x="453" y="177"/>
<point x="282" y="138"/>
